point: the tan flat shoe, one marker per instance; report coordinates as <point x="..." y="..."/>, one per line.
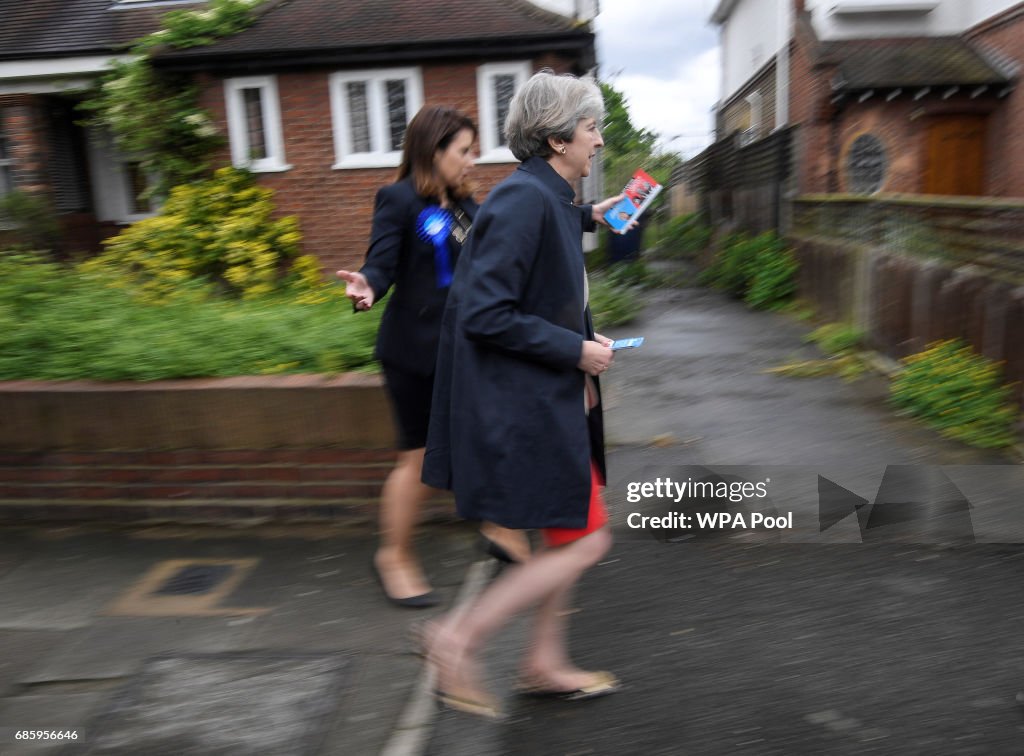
<point x="484" y="706"/>
<point x="604" y="684"/>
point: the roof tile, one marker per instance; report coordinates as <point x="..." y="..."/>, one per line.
<point x="913" y="62"/>
<point x="51" y="28"/>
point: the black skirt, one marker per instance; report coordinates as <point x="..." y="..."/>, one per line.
<point x="410" y="396"/>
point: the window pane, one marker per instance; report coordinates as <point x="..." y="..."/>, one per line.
<point x="397" y="114"/>
<point x="359" y="119"/>
<point x="6" y="180"/>
<point x="504" y="88"/>
<point x="136" y="182"/>
<point x="254" y="123"/>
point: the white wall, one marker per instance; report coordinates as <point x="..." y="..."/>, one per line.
<point x="587" y="9"/>
<point x="755" y="31"/>
<point x="948" y="17"/>
<point x="979" y="10"/>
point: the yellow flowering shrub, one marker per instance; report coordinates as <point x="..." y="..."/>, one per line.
<point x="217" y="235"/>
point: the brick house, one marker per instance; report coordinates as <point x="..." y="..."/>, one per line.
<point x="313" y="97"/>
<point x="916" y="96"/>
<point x="885" y="140"/>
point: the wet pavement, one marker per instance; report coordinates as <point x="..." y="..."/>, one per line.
<point x="276" y="640"/>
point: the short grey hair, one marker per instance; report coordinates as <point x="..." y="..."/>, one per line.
<point x="549" y="105"/>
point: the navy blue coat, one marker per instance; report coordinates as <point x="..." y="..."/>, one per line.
<point x="411" y="323"/>
<point x="508" y="429"/>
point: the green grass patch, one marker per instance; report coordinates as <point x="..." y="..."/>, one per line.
<point x="57" y="323"/>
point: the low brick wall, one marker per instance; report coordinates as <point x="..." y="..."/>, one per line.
<point x="278" y="447"/>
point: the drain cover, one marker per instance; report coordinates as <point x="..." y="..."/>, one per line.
<point x="195" y="579"/>
<point x="187" y="587"/>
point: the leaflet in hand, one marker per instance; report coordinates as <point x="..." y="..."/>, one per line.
<point x="627" y="343"/>
<point x="640" y="191"/>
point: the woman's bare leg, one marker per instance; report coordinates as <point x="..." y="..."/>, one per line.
<point x="546" y="578"/>
<point x="400" y="502"/>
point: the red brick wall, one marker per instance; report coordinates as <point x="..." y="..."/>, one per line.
<point x="902" y="127"/>
<point x="334" y="207"/>
<point x="1004" y="36"/>
<point x="284" y="447"/>
<point x="810" y="110"/>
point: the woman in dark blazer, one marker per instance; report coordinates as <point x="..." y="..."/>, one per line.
<point x="516" y="428"/>
<point x="419" y="224"/>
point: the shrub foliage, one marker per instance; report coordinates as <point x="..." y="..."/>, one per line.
<point x="959" y="393"/>
<point x="759" y="269"/>
<point x="219" y="233"/>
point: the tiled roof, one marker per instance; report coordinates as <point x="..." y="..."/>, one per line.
<point x="915" y="62"/>
<point x="302" y="26"/>
<point x="54" y="28"/>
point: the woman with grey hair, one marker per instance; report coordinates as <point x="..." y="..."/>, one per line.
<point x="516" y="428"/>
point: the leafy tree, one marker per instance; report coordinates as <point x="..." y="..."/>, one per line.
<point x="620" y="135"/>
<point x="627" y="147"/>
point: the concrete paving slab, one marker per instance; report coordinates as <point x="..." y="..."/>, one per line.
<point x="62" y="590"/>
<point x="118" y="647"/>
<point x="370" y="709"/>
<point x="22" y="650"/>
<point x="66" y="713"/>
<point x="224" y="703"/>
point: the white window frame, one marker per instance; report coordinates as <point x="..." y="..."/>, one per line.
<point x="109" y="181"/>
<point x="379" y="156"/>
<point x="129" y="200"/>
<point x="238" y="133"/>
<point x="491" y="150"/>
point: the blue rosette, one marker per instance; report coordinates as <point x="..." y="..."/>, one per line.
<point x="434" y="225"/>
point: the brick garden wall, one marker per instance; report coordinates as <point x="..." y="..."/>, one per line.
<point x="279" y="447"/>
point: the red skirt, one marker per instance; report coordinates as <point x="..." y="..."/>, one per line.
<point x="597" y="516"/>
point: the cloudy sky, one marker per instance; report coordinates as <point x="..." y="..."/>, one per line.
<point x="663" y="56"/>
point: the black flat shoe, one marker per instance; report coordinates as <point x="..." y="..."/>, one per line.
<point x="489" y="547"/>
<point x="422" y="601"/>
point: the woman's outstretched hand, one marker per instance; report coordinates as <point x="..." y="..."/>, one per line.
<point x="358" y="289"/>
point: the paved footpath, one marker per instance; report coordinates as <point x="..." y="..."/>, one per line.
<point x="174" y="640"/>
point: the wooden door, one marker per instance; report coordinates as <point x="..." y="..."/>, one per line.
<point x="955" y="158"/>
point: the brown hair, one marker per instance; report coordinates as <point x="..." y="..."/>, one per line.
<point x="433" y="128"/>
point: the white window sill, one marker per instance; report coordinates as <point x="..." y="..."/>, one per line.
<point x="497" y="156"/>
<point x="369" y="160"/>
<point x="264" y="167"/>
